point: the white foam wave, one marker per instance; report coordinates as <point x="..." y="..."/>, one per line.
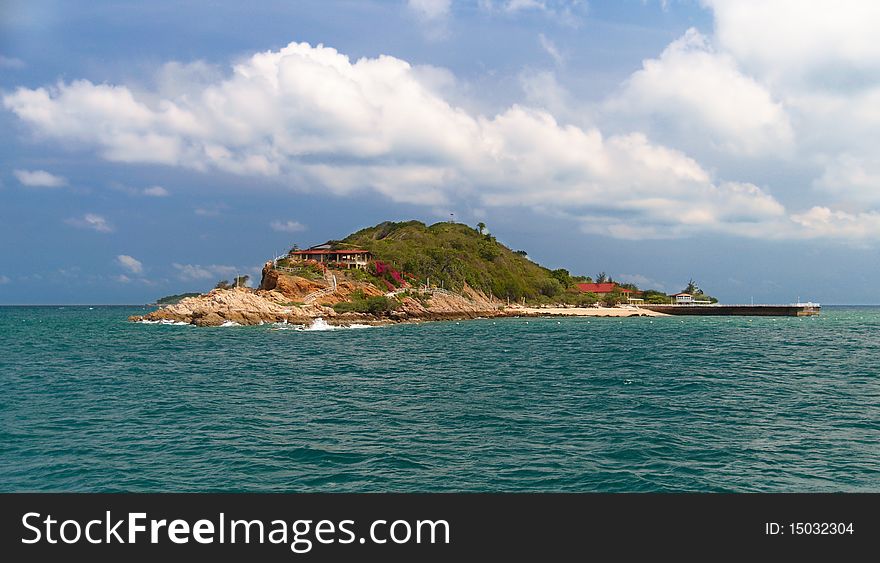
<point x="317" y="325"/>
<point x="230" y="323"/>
<point x="163" y="322"/>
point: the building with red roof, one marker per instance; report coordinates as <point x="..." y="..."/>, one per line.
<point x="326" y="254"/>
<point x="597" y="288"/>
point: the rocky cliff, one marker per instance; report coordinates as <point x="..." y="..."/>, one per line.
<point x="281" y="298"/>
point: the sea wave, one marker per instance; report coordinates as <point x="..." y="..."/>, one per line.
<point x="318" y="324"/>
<point x="163" y="322"/>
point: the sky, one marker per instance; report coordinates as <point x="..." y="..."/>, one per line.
<point x="157" y="148"/>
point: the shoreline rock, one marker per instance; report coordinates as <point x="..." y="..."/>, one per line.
<point x="281" y="298"/>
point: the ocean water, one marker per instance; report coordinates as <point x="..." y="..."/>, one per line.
<point x="90" y="402"/>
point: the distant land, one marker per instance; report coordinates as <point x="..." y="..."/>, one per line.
<point x="175" y="299"/>
<point x="409" y="271"/>
<point x="406" y="271"/>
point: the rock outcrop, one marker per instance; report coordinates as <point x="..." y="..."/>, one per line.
<point x="280" y="298"/>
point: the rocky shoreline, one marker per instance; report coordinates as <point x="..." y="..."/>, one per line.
<point x="292" y="299"/>
<point x="244" y="306"/>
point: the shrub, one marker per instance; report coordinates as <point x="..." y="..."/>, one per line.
<point x="379" y="305"/>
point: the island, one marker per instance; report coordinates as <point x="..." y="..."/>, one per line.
<point x="411" y="272"/>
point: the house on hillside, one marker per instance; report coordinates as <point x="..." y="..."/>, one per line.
<point x="339" y="258"/>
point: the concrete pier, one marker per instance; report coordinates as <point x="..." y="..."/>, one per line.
<point x="794" y="310"/>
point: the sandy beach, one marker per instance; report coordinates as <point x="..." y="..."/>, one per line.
<point x="584" y="311"/>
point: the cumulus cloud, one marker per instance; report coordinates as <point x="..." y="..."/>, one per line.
<point x="691" y="89"/>
<point x="91" y="221"/>
<point x="193" y="272"/>
<point x="314" y="118"/>
<point x="155" y="191"/>
<point x="39" y="179"/>
<point x="131" y="264"/>
<point x="821" y="221"/>
<point x="287" y="226"/>
<point x="805" y="42"/>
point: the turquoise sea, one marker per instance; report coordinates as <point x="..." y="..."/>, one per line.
<point x="90" y="402"/>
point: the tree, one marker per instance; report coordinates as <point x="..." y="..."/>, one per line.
<point x="222" y="284"/>
<point x="692" y="287"/>
<point x="550" y="287"/>
<point x="602" y="278"/>
<point x="481" y="227"/>
<point x="241" y="281"/>
<point x="613" y="298"/>
<point x="562" y="276"/>
<point x="655" y="297"/>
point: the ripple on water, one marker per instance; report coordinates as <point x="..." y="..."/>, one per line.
<point x="90" y="402"/>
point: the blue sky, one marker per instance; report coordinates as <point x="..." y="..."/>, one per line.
<point x="157" y="148"/>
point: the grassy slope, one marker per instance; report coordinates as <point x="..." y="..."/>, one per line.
<point x="455" y="254"/>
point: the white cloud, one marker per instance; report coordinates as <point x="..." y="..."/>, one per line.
<point x="287" y="226"/>
<point x="823" y="222"/>
<point x="39" y="179"/>
<point x="697" y="92"/>
<point x="433" y="16"/>
<point x="4" y="280"/>
<point x="91" y="221"/>
<point x="131" y="264"/>
<point x="311" y="116"/>
<point x="567" y="12"/>
<point x="430" y="9"/>
<point x="212" y="210"/>
<point x="192" y="272"/>
<point x="817" y="42"/>
<point x="313" y="119"/>
<point x="11" y="62"/>
<point x="155" y="191"/>
<point x="122" y="278"/>
<point x="550" y="48"/>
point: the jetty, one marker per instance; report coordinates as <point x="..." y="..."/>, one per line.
<point x="791" y="310"/>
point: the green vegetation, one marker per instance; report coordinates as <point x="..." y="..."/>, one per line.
<point x="453" y="254"/>
<point x="308" y="270"/>
<point x="653" y="297"/>
<point x="359" y="304"/>
<point x="175" y="299"/>
<point x="697" y="292"/>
